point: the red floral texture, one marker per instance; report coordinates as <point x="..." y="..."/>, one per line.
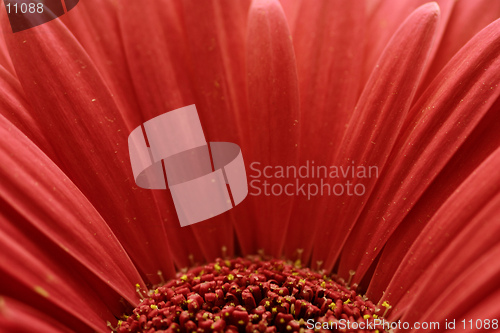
<point x="411" y="88"/>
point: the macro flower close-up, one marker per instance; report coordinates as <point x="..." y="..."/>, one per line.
<point x="370" y="136"/>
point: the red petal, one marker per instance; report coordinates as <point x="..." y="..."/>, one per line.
<point x="156" y="51"/>
<point x="5" y="60"/>
<point x="272" y="130"/>
<point x="445" y="116"/>
<point x="155" y="47"/>
<point x="33" y="276"/>
<point x="481" y="278"/>
<point x="329" y="50"/>
<point x="469" y="257"/>
<point x="95" y="25"/>
<point x="380" y="112"/>
<point x="447" y="225"/>
<point x="17" y="110"/>
<point x="479" y="145"/>
<point x="78" y="116"/>
<point x="291" y="9"/>
<point x="466" y="20"/>
<point x="385" y="18"/>
<point x="486" y="309"/>
<point x="20" y="318"/>
<point x="215" y="35"/>
<point x="39" y="192"/>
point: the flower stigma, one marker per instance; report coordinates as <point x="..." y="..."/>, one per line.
<point x="251" y="295"/>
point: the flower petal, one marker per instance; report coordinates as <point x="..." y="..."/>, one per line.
<point x="77" y="114"/>
<point x="155" y="48"/>
<point x="467" y="19"/>
<point x="291" y="10"/>
<point x="479" y="145"/>
<point x="40" y="193"/>
<point x="15" y="108"/>
<point x="31" y="275"/>
<point x="486" y="309"/>
<point x="448" y="112"/>
<point x="215" y="36"/>
<point x="380" y="111"/>
<point x="387" y="16"/>
<point x="456" y="215"/>
<point x="329" y="50"/>
<point x="95" y="25"/>
<point x="271" y="123"/>
<point x="480" y="277"/>
<point x="20" y="318"/>
<point x="467" y="258"/>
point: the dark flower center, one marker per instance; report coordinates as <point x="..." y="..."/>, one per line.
<point x="251" y="295"/>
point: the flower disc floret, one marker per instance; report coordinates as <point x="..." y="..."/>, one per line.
<point x="248" y="295"/>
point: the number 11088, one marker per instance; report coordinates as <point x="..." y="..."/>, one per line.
<point x="24" y="8"/>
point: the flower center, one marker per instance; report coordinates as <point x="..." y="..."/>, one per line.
<point x="251" y="295"/>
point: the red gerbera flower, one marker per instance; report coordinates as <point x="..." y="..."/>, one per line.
<point x="408" y="87"/>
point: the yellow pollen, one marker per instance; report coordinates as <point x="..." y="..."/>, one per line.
<point x="154" y="307"/>
<point x="184" y="278"/>
<point x="41" y="291"/>
<point x="230" y="277"/>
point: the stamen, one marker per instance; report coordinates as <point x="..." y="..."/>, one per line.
<point x="387" y="308"/>
<point x="138" y="291"/>
<point x="114" y="329"/>
<point x="160" y="274"/>
<point x="351" y="275"/>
